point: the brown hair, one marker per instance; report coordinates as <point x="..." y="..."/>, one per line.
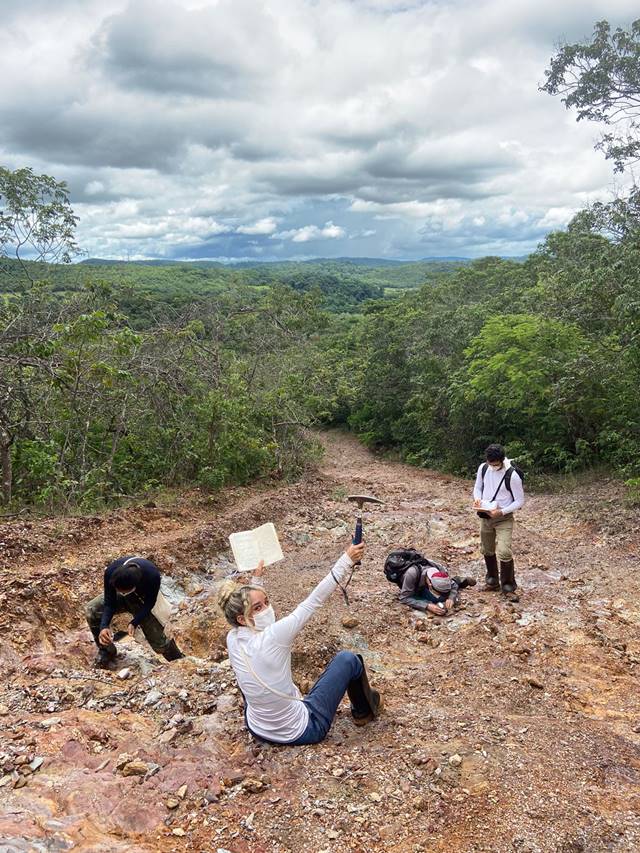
<point x="234" y="600"/>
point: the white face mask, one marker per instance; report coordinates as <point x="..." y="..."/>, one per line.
<point x="265" y="618"/>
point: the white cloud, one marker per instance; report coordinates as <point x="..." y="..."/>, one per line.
<point x="229" y="125"/>
<point x="263" y="226"/>
<point x="311" y="232"/>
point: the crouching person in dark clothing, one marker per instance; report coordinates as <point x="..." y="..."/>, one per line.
<point x="431" y="589"/>
<point x="131" y="585"/>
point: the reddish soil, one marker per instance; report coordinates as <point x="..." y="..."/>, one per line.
<point x="507" y="726"/>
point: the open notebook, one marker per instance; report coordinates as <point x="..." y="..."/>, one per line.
<point x="251" y="546"/>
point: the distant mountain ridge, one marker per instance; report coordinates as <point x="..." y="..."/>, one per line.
<point x="373" y="263"/>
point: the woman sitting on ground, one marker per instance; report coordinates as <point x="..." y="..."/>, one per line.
<point x="260" y="654"/>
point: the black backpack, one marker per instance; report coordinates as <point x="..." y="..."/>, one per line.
<point x="507" y="476"/>
<point x="398" y="561"/>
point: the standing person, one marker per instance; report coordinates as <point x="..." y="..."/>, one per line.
<point x="131" y="585"/>
<point x="260" y="654"/>
<point x="498" y="488"/>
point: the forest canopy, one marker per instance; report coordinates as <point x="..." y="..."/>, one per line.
<point x="117" y="379"/>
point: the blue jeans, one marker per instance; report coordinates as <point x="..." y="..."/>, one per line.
<point x="325" y="696"/>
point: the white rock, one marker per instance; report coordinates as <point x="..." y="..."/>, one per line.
<point x="152" y="697"/>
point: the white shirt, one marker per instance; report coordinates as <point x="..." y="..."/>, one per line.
<point x="491" y="481"/>
<point x="271" y="716"/>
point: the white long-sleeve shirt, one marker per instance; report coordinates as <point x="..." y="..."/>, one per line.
<point x="269" y="715"/>
<point x="491" y="481"/>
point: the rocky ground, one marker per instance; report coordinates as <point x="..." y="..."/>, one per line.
<point x="507" y="726"/>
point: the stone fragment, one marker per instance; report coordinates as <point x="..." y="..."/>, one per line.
<point x="137" y="767"/>
<point x="172" y="803"/>
<point x="123" y="759"/>
<point x="178" y="831"/>
<point x="233" y="777"/>
<point x="253" y="786"/>
<point x="36" y="764"/>
<point x="349" y="622"/>
<point x="182" y="792"/>
<point x="124" y="673"/>
<point x="168" y="736"/>
<point x="152" y="697"/>
<point x="533" y="682"/>
<point x="455" y="760"/>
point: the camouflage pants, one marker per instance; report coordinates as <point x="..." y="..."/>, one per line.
<point x="151" y="627"/>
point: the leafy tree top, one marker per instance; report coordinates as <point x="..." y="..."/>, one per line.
<point x="601" y="79"/>
<point x="36" y="219"/>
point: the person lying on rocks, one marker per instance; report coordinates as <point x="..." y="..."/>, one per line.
<point x="431" y="589"/>
<point x="131" y="585"/>
<point x="259" y="648"/>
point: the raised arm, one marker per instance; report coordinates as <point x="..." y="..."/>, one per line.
<point x="283" y="632"/>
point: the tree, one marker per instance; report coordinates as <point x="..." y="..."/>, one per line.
<point x="601" y="78"/>
<point x="532" y="381"/>
<point x="37" y="222"/>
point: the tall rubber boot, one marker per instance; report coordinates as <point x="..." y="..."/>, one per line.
<point x="491" y="580"/>
<point x="365" y="702"/>
<point x="171" y="651"/>
<point x="507" y="576"/>
<point x="463" y="583"/>
<point x="106" y="656"/>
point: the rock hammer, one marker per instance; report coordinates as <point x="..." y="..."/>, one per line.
<point x="360" y="501"/>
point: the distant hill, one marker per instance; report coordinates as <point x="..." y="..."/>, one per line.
<point x="372" y="263"/>
<point x="154" y="262"/>
<point x="147" y="289"/>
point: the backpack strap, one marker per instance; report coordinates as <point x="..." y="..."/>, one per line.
<point x="507" y="481"/>
<point x="419" y="565"/>
<point x="484" y="471"/>
<point x="495" y="494"/>
<point x="260" y="681"/>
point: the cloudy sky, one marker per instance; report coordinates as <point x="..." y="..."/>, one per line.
<point x="234" y="129"/>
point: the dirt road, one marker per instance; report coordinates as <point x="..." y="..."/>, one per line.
<point x="507" y="727"/>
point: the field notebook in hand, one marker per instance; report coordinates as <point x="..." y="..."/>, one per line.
<point x="251" y="546"/>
